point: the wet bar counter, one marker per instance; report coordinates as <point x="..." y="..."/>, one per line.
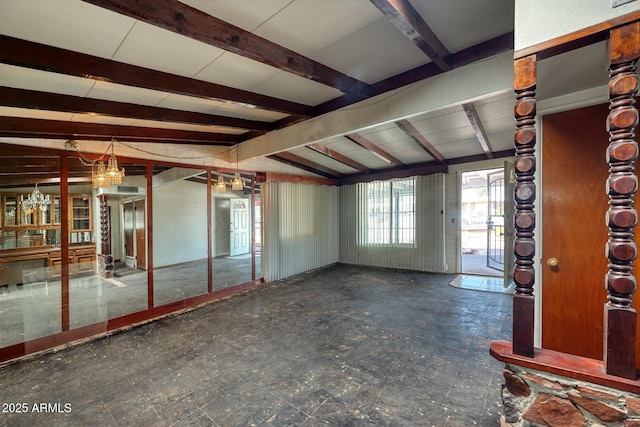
<point x="14" y="262"/>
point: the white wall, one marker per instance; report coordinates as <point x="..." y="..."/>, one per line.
<point x="179" y="223"/>
<point x="301" y="228"/>
<point x="537" y="21"/>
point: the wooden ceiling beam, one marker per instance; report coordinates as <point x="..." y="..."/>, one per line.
<point x="476" y="124"/>
<point x="374" y="149"/>
<point x="305" y="164"/>
<point x="326" y="151"/>
<point x="420" y="139"/>
<point x="56" y="129"/>
<point x="182" y="19"/>
<point x="467" y="56"/>
<point x="404" y="16"/>
<point x="23" y="53"/>
<point x="32" y="99"/>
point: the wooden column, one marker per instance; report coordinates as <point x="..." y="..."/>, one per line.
<point x="105" y="257"/>
<point x="525" y="194"/>
<point x="622" y="217"/>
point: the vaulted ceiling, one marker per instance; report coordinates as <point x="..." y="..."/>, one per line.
<point x="210" y="76"/>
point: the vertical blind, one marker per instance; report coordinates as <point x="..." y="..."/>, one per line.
<point x="398" y="223"/>
<point x="301" y="228"/>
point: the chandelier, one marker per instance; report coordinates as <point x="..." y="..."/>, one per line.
<point x="106" y="176"/>
<point x="220" y="186"/>
<point x="236" y="183"/>
<point x="34" y="201"/>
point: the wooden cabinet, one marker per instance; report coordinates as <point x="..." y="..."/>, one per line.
<point x="80" y="213"/>
<point x="14" y="215"/>
<point x="81" y="261"/>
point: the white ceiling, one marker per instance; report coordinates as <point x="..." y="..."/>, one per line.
<point x="351" y="36"/>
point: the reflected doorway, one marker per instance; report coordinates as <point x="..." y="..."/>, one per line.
<point x="239" y="227"/>
<point x="133" y="213"/>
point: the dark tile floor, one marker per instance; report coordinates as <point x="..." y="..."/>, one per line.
<point x="340" y="346"/>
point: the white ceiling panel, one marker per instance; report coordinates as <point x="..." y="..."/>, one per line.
<point x="103" y="120"/>
<point x="302" y="25"/>
<point x="323" y="160"/>
<point x="209" y="106"/>
<point x="483" y="20"/>
<point x="26" y="78"/>
<point x="374" y="53"/>
<point x="238" y="13"/>
<point x="151" y="47"/>
<point x="34" y="114"/>
<point x="297" y="89"/>
<point x="70" y="24"/>
<point x="121" y="93"/>
<point x="187" y="126"/>
<point x="236" y="71"/>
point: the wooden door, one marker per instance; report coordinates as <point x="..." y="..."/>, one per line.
<point x="141" y="241"/>
<point x="128" y="226"/>
<point x="574" y="204"/>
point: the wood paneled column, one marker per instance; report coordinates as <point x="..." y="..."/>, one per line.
<point x="525" y="193"/>
<point x="622" y="217"/>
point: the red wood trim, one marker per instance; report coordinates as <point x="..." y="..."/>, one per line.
<point x="253" y="228"/>
<point x="209" y="236"/>
<point x="121" y="323"/>
<point x="592" y="30"/>
<point x="567" y="365"/>
<point x="64" y="240"/>
<point x="296" y="179"/>
<point x="149" y="176"/>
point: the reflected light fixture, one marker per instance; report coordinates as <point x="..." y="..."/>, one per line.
<point x="34" y="201"/>
<point x="110" y="175"/>
<point x="220" y="186"/>
<point x="236" y="183"/>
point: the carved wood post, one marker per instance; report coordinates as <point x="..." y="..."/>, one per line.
<point x="622" y="217"/>
<point x="525" y="193"/>
<point x="105" y="257"/>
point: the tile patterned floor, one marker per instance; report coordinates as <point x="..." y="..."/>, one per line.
<point x="340" y="346"/>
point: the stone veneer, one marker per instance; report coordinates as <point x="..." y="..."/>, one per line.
<point x="535" y="398"/>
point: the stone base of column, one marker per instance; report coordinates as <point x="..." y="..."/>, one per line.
<point x="105" y="266"/>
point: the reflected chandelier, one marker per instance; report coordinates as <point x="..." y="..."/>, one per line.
<point x="34" y="201"/>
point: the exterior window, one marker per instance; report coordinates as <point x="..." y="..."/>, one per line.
<point x="390" y="209"/>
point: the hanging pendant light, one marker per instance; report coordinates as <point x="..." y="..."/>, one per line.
<point x="108" y="175"/>
<point x="34" y="201"/>
<point x="220" y="186"/>
<point x="236" y="183"/>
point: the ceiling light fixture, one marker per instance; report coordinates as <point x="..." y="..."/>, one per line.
<point x="110" y="175"/>
<point x="34" y="201"/>
<point x="236" y="183"/>
<point x="102" y="176"/>
<point x="220" y="186"/>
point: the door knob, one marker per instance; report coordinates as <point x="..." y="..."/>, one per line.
<point x="552" y="262"/>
